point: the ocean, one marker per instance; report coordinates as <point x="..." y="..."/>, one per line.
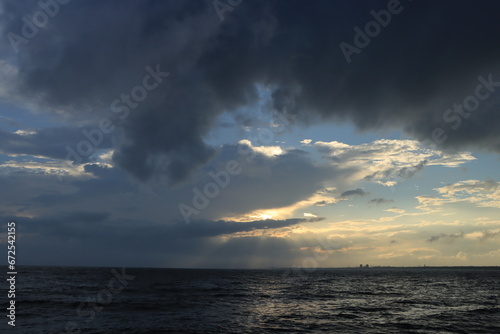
<point x="368" y="300"/>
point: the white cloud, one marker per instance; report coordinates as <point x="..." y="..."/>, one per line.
<point x="319" y="198"/>
<point x="268" y="151"/>
<point x="387" y="183"/>
<point x="42" y="165"/>
<point x="395" y="210"/>
<point x="56" y="167"/>
<point x="462" y="256"/>
<point x="306" y="141"/>
<point x="106" y="157"/>
<point x="25" y="132"/>
<point x="478" y="193"/>
<point x="384" y="160"/>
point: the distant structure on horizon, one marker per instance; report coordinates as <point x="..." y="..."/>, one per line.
<point x="366" y="266"/>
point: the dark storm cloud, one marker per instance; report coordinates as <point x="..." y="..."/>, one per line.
<point x="93" y="233"/>
<point x="211" y="228"/>
<point x="110" y="220"/>
<point x="426" y="59"/>
<point x="93" y="52"/>
<point x="77" y="224"/>
<point x="264" y="182"/>
<point x="354" y="192"/>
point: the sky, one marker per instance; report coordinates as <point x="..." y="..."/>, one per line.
<point x="250" y="133"/>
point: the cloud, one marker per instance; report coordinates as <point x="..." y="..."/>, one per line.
<point x="46" y="142"/>
<point x="396" y="210"/>
<point x="381" y="201"/>
<point x="462" y="256"/>
<point x="126" y="240"/>
<point x="283" y="184"/>
<point x="172" y="122"/>
<point x="487" y="235"/>
<point x="217" y="228"/>
<point x="43" y="166"/>
<point x="265" y="182"/>
<point x="354" y="192"/>
<point x="306" y="141"/>
<point x="447" y="237"/>
<point x="484" y="194"/>
<point x="387" y="183"/>
<point x="469" y="187"/>
<point x="266" y="55"/>
<point x="269" y="151"/>
<point x="290" y="48"/>
<point x="384" y="160"/>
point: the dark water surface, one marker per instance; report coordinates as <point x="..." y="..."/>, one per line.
<point x="375" y="300"/>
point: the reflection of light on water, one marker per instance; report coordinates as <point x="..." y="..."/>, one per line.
<point x="279" y="305"/>
<point x="261" y="311"/>
<point x="266" y="304"/>
<point x="282" y="311"/>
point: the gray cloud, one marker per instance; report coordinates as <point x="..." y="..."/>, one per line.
<point x="354" y="192"/>
<point x="264" y="182"/>
<point x="404" y="172"/>
<point x="211" y="228"/>
<point x="406" y="77"/>
<point x="381" y="201"/>
<point x="489" y="235"/>
<point x="447" y="237"/>
<point x="48" y="142"/>
<point x="125" y="241"/>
